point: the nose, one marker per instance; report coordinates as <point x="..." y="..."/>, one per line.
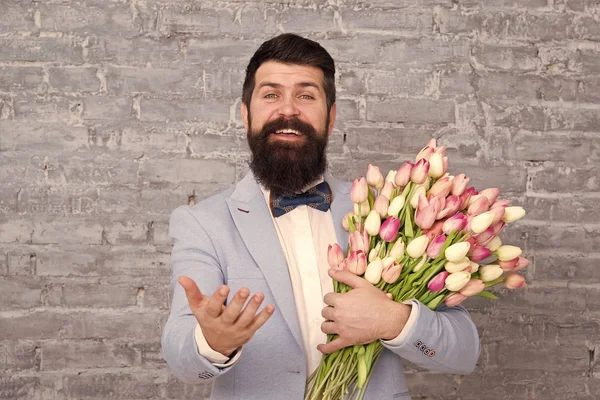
<point x="288" y="107"/>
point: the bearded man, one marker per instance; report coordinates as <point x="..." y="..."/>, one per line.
<point x="265" y="241"/>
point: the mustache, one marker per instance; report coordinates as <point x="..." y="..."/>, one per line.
<point x="288" y="123"/>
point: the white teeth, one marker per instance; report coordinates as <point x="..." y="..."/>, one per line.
<point x="291" y="131"/>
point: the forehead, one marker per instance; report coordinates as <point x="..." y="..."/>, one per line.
<point x="288" y="74"/>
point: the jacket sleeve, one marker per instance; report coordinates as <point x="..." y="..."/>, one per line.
<point x="194" y="256"/>
<point x="445" y="340"/>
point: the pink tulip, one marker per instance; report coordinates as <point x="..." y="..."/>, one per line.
<point x="472" y="287"/>
<point x="357" y="242"/>
<point x="438" y="282"/>
<point x="387" y="190"/>
<point x="459" y="184"/>
<point x="374" y="177"/>
<point x="403" y="175"/>
<point x="479" y="253"/>
<point x="509" y="265"/>
<point x="498" y="228"/>
<point x="389" y="229"/>
<point x="471" y="241"/>
<point x="441" y="150"/>
<point x="432" y="143"/>
<point x="484" y="237"/>
<point x="455" y="223"/>
<point x="359" y="191"/>
<point x="465" y="197"/>
<point x="455" y="299"/>
<point x="381" y="205"/>
<point x="523" y="262"/>
<point x="357" y="262"/>
<point x="420" y="172"/>
<point x="514" y="281"/>
<point x="343" y="266"/>
<point x="450" y="208"/>
<point x="441" y="188"/>
<point x="435" y="246"/>
<point x="335" y="255"/>
<point x="491" y="194"/>
<point x="479" y="206"/>
<point x="391" y="273"/>
<point x="425" y="153"/>
<point x="426" y="212"/>
<point x="435" y="230"/>
<point x="445" y="163"/>
<point x="500" y="203"/>
<point x="498" y="213"/>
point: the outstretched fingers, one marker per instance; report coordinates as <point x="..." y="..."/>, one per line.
<point x="192" y="292"/>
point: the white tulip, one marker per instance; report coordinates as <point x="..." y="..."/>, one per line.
<point x="507" y="252"/>
<point x="374" y="270"/>
<point x="494" y="244"/>
<point x="417" y="246"/>
<point x="396" y="206"/>
<point x="511" y="214"/>
<point x="474" y="266"/>
<point x="481" y="222"/>
<point x="457" y="280"/>
<point x="461" y="265"/>
<point x="397" y="250"/>
<point x="365" y="208"/>
<point x="490" y="272"/>
<point x="414" y="200"/>
<point x="373" y="223"/>
<point x="457" y="251"/>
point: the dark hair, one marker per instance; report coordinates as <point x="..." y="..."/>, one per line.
<point x="289" y="48"/>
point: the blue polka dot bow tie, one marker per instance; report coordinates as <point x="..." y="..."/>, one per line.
<point x="317" y="197"/>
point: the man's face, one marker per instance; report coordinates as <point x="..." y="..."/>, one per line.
<point x="288" y="125"/>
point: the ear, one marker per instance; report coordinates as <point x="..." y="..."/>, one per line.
<point x="244" y="112"/>
<point x="332" y="114"/>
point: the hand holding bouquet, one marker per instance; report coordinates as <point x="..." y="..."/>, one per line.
<point x="422" y="234"/>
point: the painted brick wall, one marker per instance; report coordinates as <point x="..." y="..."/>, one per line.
<point x="114" y="112"/>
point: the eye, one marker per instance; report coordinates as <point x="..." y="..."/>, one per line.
<point x="270" y="96"/>
<point x="307" y="96"/>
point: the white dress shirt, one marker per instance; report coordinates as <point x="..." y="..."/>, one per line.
<point x="305" y="234"/>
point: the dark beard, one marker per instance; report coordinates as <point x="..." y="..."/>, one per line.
<point x="287" y="167"/>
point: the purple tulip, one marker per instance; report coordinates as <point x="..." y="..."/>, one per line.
<point x="479" y="253"/>
<point x="435" y="246"/>
<point x="438" y="282"/>
<point x="456" y="223"/>
<point x="389" y="229"/>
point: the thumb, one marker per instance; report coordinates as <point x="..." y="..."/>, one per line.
<point x="192" y="292"/>
<point x="348" y="278"/>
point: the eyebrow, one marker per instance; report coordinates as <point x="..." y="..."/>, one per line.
<point x="278" y="85"/>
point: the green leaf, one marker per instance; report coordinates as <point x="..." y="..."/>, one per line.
<point x="351" y="226"/>
<point x="487" y="295"/>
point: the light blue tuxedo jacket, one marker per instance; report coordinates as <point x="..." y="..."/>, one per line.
<point x="230" y="239"/>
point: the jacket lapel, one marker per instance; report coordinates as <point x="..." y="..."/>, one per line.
<point x="253" y="220"/>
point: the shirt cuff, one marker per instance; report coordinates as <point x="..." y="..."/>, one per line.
<point x="216" y="358"/>
<point x="410" y="323"/>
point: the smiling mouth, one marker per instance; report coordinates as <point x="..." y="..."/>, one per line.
<point x="288" y="132"/>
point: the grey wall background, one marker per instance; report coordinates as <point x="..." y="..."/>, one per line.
<point x="114" y="112"/>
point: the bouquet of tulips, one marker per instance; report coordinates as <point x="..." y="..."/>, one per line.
<point x="422" y="234"/>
